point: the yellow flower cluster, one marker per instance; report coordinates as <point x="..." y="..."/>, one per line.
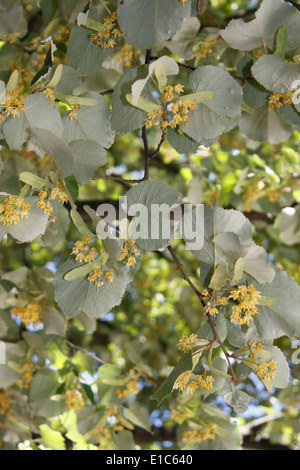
<point x="130" y="389"/>
<point x="254" y="348"/>
<point x="247" y="297"/>
<point x="205" y="382"/>
<point x="172" y="114"/>
<point x="73" y="113"/>
<point x="27" y="371"/>
<point x="210" y="308"/>
<point x="186" y="343"/>
<point x="84" y="254"/>
<point x="50" y="94"/>
<point x="116" y="421"/>
<point x="205" y="48"/>
<point x="278" y="99"/>
<point x="179" y="416"/>
<point x="5" y="404"/>
<point x="126" y="55"/>
<point x="274" y="194"/>
<point x="183" y="383"/>
<point x="111" y="30"/>
<point x="46" y="197"/>
<point x="199" y="435"/>
<point x="13" y="209"/>
<point x="267" y="370"/>
<point x="74" y="400"/>
<point x="102" y="434"/>
<point x="96" y="277"/>
<point x="129" y="252"/>
<point x="13" y="105"/>
<point x="62" y="34"/>
<point x="31" y="315"/>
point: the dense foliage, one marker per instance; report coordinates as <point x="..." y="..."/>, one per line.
<point x="146" y="342"/>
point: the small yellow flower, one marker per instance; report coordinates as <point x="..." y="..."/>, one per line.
<point x="205" y="382"/>
<point x="73" y="115"/>
<point x="199" y="435"/>
<point x="179" y="88"/>
<point x="186" y="342"/>
<point x="267" y="370"/>
<point x="50" y="94"/>
<point x="109" y="276"/>
<point x="74" y="400"/>
<point x="12" y="210"/>
<point x="131" y="261"/>
<point x="31" y="315"/>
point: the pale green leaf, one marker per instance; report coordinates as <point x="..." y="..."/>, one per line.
<point x="160" y="20"/>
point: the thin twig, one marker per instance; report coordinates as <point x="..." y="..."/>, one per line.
<point x="210" y="319"/>
<point x="107" y="92"/>
<point x="185" y="276"/>
<point x="296" y="5"/>
<point x="85" y="352"/>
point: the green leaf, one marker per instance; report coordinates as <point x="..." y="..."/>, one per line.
<point x="138" y="415"/>
<point x="30" y="228"/>
<point x="92" y="123"/>
<point x="163" y="19"/>
<point x="81" y="295"/>
<point x="211" y="118"/>
<point x="72" y="186"/>
<point x="181" y="44"/>
<point x="110" y="242"/>
<point x="181" y="142"/>
<point x="256" y="262"/>
<point x="143" y="104"/>
<point x="282" y="375"/>
<point x="239" y="268"/>
<point x="51" y="439"/>
<point x="84" y="270"/>
<point x="80" y="224"/>
<point x="43" y="387"/>
<point x="10" y="19"/>
<point x="281" y="41"/>
<point x="33" y="180"/>
<point x="265" y="125"/>
<point x="218" y="277"/>
<point x="124" y="441"/>
<point x="48" y="63"/>
<point x="218" y="221"/>
<point x="283" y="318"/>
<point x="237" y="399"/>
<point x="185" y="364"/>
<point x="165" y="63"/>
<point x="83" y="54"/>
<point x="272" y="14"/>
<point x="73" y="100"/>
<point x="274" y="74"/>
<point x="38" y="113"/>
<point x="88" y="157"/>
<point x="151" y="228"/>
<point x="12" y="83"/>
<point x="8" y="376"/>
<point x="57" y="149"/>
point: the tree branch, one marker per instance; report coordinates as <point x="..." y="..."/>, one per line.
<point x="73" y="346"/>
<point x="210" y="319"/>
<point x="296" y="5"/>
